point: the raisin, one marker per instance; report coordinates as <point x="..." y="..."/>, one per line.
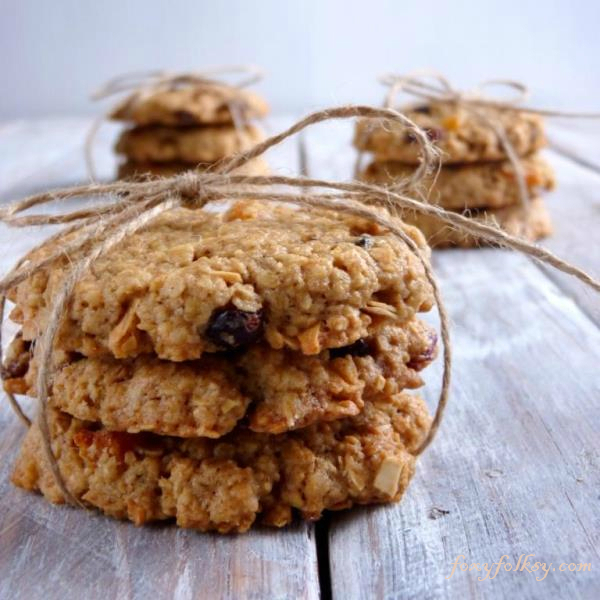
<point x="232" y="328"/>
<point x="184" y="117"/>
<point x="17" y="363"/>
<point x="358" y="348"/>
<point x="423" y="109"/>
<point x="422" y="360"/>
<point x="365" y="241"/>
<point x="432" y="133"/>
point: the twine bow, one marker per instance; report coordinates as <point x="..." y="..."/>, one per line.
<point x="434" y="87"/>
<point x="141" y="84"/>
<point x="131" y="205"/>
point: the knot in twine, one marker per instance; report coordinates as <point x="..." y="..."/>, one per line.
<point x="131" y="205"/>
<point x="142" y="84"/>
<point x="435" y="88"/>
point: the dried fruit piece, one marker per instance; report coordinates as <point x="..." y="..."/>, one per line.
<point x="433" y="134"/>
<point x="17" y="360"/>
<point x="423" y="109"/>
<point x="232" y="328"/>
<point x="420" y="361"/>
<point x="185" y="117"/>
<point x="309" y="340"/>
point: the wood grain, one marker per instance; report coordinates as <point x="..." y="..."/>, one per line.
<point x="575" y="209"/>
<point x="516" y="467"/>
<point x="516" y="463"/>
<point x="58" y="552"/>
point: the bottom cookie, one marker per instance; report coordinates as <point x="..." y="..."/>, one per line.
<point x="131" y="169"/>
<point x="512" y="219"/>
<point x="225" y="484"/>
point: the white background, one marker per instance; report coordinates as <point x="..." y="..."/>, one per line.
<point x="316" y="53"/>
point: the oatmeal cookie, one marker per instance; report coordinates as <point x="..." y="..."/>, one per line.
<point x="207" y="398"/>
<point x="134" y="170"/>
<point x="461" y="135"/>
<point x="510" y="218"/>
<point x="477" y="185"/>
<point x="186" y="144"/>
<point x="192" y="106"/>
<point x="194" y="281"/>
<point x="225" y="484"/>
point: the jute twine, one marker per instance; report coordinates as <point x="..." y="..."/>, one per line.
<point x="142" y="84"/>
<point x="432" y="86"/>
<point x="130" y="205"/>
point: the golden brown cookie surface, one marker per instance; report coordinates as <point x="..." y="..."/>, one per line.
<point x="458" y="133"/>
<point x="160" y="144"/>
<point x="510" y="218"/>
<point x="476" y="185"/>
<point x="208" y="397"/>
<point x="194" y="281"/>
<point x="225" y="484"/>
<point x="197" y="105"/>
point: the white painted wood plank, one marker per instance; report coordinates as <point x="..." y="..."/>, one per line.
<point x="517" y="463"/>
<point x="58" y="552"/>
<point x="575" y="210"/>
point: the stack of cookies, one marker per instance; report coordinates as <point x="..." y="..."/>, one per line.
<point x="476" y="178"/>
<point x="219" y="367"/>
<point x="188" y="127"/>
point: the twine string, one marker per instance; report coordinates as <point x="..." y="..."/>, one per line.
<point x="133" y="205"/>
<point x="141" y="84"/>
<point x="434" y="87"/>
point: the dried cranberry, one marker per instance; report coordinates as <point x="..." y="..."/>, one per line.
<point x="364" y="241"/>
<point x="434" y="134"/>
<point x="422" y="360"/>
<point x="358" y="348"/>
<point x="231" y="328"/>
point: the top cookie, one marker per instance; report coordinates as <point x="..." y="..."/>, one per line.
<point x="195" y="281"/>
<point x="461" y="135"/>
<point x="197" y="105"/>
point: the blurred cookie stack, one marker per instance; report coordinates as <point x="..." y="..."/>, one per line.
<point x="218" y="367"/>
<point x="181" y="127"/>
<point x="476" y="178"/>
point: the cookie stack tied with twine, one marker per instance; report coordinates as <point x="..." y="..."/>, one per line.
<point x="491" y="171"/>
<point x="213" y="367"/>
<point x="180" y="121"/>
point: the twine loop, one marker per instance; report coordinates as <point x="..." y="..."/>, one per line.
<point x="436" y="88"/>
<point x="131" y="205"/>
<point x="141" y="84"/>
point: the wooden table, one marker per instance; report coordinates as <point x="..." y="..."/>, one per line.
<point x="514" y="471"/>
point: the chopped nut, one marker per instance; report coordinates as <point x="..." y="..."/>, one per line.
<point x="228" y="276"/>
<point x="123" y="340"/>
<point x="380" y="308"/>
<point x="182" y="254"/>
<point x="388" y="476"/>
